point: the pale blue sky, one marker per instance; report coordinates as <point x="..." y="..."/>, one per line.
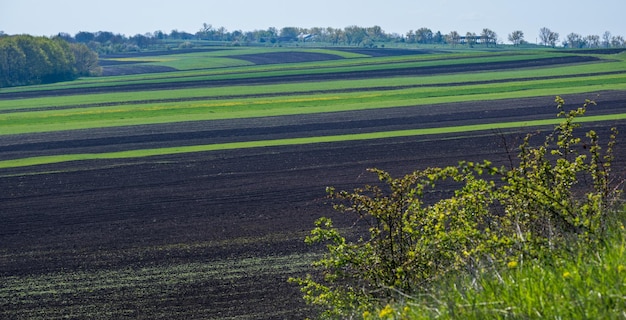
<point x="130" y="17"/>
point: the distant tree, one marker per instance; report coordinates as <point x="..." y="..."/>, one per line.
<point x="238" y="37"/>
<point x="544" y="35"/>
<point x="592" y="41"/>
<point x="65" y="36"/>
<point x="141" y="41"/>
<point x="289" y="33"/>
<point x="470" y="39"/>
<point x="84" y="37"/>
<point x="355" y="34"/>
<point x="60" y="60"/>
<point x="12" y="63"/>
<point x="85" y="60"/>
<point x="159" y="35"/>
<point x="516" y="37"/>
<point x="335" y="36"/>
<point x="108" y="37"/>
<point x="488" y="37"/>
<point x="261" y="36"/>
<point x="221" y="33"/>
<point x="376" y="33"/>
<point x="438" y="37"/>
<point x="36" y="59"/>
<point x="317" y="32"/>
<point x="424" y="35"/>
<point x="618" y="42"/>
<point x="178" y="35"/>
<point x="453" y="38"/>
<point x="574" y="40"/>
<point x="554" y="38"/>
<point x="548" y="38"/>
<point x="205" y="32"/>
<point x="606" y="39"/>
<point x="410" y="37"/>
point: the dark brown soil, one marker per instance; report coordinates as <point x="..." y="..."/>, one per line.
<point x="218" y="207"/>
<point x="386" y="52"/>
<point x="286" y="57"/>
<point x="124" y="70"/>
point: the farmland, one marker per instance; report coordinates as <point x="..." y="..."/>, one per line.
<point x="182" y="185"/>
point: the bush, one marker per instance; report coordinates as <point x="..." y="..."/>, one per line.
<point x="538" y="208"/>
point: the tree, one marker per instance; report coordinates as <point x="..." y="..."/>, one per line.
<point x="141" y="41"/>
<point x="85" y="60"/>
<point x="424" y="35"/>
<point x="488" y="37"/>
<point x="376" y="33"/>
<point x="516" y="37"/>
<point x="26" y="60"/>
<point x="574" y="40"/>
<point x="548" y="38"/>
<point x="470" y="39"/>
<point x="410" y="37"/>
<point x="438" y="37"/>
<point x="84" y="37"/>
<point x="12" y="63"/>
<point x="618" y="42"/>
<point x="592" y="41"/>
<point x="205" y="32"/>
<point x="355" y="34"/>
<point x="289" y="33"/>
<point x="544" y="35"/>
<point x="453" y="38"/>
<point x="60" y="58"/>
<point x="335" y="36"/>
<point x="606" y="39"/>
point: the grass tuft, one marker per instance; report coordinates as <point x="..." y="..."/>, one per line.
<point x="586" y="283"/>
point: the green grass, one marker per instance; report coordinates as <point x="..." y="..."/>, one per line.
<point x="587" y="284"/>
<point x="153" y="113"/>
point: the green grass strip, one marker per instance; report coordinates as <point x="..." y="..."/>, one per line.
<point x="286" y="142"/>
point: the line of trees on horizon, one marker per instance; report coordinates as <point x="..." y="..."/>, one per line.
<point x="106" y="42"/>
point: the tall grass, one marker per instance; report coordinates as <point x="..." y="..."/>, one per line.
<point x="585" y="283"/>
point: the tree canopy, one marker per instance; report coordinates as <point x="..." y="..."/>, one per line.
<point x="26" y="60"/>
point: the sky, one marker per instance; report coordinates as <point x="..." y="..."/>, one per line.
<point x="131" y="17"/>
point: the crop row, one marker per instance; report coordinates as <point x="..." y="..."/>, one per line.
<point x="234" y="101"/>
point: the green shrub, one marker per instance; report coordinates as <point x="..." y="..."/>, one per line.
<point x="537" y="208"/>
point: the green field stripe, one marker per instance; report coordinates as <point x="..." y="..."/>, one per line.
<point x="32" y="161"/>
<point x="129" y="115"/>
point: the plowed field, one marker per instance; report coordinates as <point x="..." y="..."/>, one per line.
<point x="213" y="234"/>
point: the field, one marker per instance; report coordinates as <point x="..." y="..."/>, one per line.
<point x="182" y="185"/>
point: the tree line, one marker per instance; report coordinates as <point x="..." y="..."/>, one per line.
<point x="28" y="60"/>
<point x="105" y="42"/>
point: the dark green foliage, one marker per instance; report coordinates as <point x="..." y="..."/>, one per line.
<point x="538" y="208"/>
<point x="26" y="60"/>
